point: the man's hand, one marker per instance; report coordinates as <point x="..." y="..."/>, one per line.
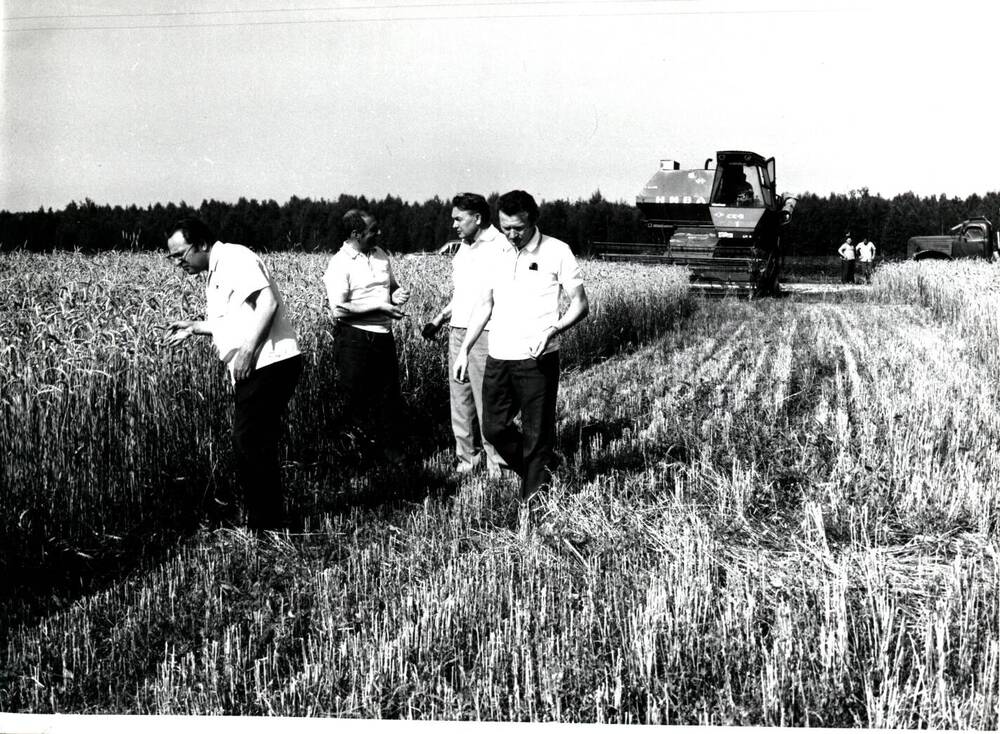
<point x="539" y="348"/>
<point x="400" y="296"/>
<point x="460" y="370"/>
<point x="430" y="330"/>
<point x="394" y="311"/>
<point x="179" y="331"/>
<point x="242" y="363"/>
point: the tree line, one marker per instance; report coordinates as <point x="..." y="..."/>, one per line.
<point x="817" y="227"/>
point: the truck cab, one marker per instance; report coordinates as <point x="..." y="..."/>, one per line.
<point x="974" y="237"/>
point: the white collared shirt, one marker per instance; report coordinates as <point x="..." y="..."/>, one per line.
<point x="525" y="286"/>
<point x="364" y="279"/>
<point x="866" y="251"/>
<point x="470" y="273"/>
<point x="234" y="274"/>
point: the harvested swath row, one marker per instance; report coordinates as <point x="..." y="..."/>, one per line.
<point x="586" y="392"/>
<point x="601" y="404"/>
<point x="749" y="386"/>
<point x="832" y="348"/>
<point x="855" y="356"/>
<point x="689" y="407"/>
<point x="692" y="391"/>
<point x="642" y="392"/>
<point x="781" y="371"/>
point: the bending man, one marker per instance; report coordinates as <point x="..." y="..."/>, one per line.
<point x="245" y="316"/>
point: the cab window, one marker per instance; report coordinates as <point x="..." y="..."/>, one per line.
<point x="738" y="185"/>
<point x="975" y="234"/>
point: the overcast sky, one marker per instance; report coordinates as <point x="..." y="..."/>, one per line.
<point x="129" y="101"/>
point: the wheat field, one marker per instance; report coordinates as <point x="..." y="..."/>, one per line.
<point x="770" y="512"/>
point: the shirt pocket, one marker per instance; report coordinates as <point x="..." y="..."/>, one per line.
<point x="537" y="282"/>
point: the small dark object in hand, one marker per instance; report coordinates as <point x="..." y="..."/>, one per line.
<point x="430" y="330"/>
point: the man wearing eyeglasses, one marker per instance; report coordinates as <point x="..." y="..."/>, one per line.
<point x="245" y="316"/>
<point x="364" y="301"/>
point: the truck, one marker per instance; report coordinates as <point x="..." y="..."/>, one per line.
<point x="974" y="237"/>
<point x="722" y="222"/>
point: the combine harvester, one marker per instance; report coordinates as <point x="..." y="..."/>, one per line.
<point x="721" y="223"/>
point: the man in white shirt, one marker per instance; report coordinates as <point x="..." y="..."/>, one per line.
<point x="471" y="267"/>
<point x="866" y="258"/>
<point x="364" y="301"/>
<point x="245" y="316"/>
<point x="847" y="256"/>
<point x="521" y="304"/>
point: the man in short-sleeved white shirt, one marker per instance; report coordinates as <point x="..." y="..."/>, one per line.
<point x="866" y="258"/>
<point x="245" y="316"/>
<point x="364" y="301"/>
<point x="521" y="305"/>
<point x="471" y="269"/>
<point x="847" y="257"/>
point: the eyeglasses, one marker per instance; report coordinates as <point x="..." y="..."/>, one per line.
<point x="177" y="257"/>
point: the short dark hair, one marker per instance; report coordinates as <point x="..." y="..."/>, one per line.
<point x="517" y="201"/>
<point x="195" y="232"/>
<point x="355" y="220"/>
<point x="473" y="203"/>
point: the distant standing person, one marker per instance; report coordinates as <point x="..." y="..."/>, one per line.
<point x="847" y="256"/>
<point x="471" y="268"/>
<point x="522" y="368"/>
<point x="245" y="316"/>
<point x="364" y="301"/>
<point x="866" y="259"/>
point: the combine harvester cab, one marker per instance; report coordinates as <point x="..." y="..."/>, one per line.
<point x="721" y="223"/>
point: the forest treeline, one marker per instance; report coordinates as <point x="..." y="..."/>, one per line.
<point x="817" y="228"/>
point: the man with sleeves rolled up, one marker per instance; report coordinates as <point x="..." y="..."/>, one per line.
<point x="245" y="316"/>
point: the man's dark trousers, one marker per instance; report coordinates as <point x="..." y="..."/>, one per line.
<point x="369" y="381"/>
<point x="528" y="387"/>
<point x="261" y="400"/>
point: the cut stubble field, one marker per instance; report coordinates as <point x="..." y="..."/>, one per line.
<point x="771" y="512"/>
